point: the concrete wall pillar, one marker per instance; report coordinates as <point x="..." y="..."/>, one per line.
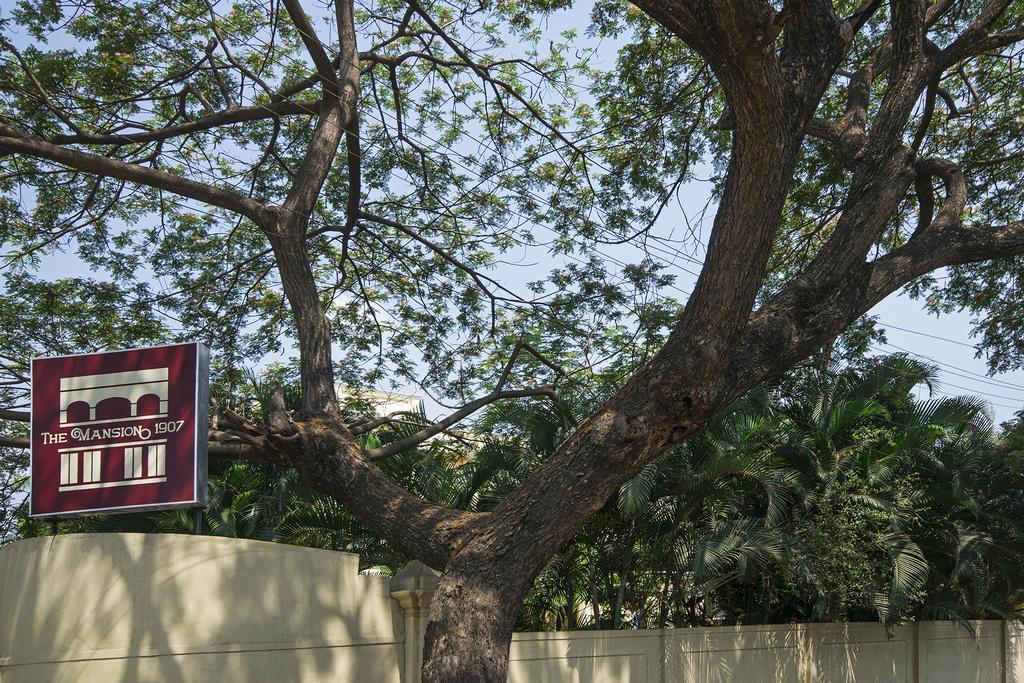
<point x="413" y="587"/>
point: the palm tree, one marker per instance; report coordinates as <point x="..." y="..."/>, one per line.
<point x="884" y="481"/>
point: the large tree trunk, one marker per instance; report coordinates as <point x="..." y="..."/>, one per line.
<point x="472" y="615"/>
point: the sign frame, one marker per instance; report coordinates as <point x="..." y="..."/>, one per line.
<point x="200" y="440"/>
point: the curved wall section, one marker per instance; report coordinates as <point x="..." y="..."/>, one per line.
<point x="161" y="607"/>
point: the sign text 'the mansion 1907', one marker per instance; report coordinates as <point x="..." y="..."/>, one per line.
<point x="122" y="431"/>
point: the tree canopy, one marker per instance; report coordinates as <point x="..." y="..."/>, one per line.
<point x="348" y="183"/>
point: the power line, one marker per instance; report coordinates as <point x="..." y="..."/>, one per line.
<point x="969" y="375"/>
<point x="981" y="393"/>
<point x="992" y="403"/>
<point x="926" y="334"/>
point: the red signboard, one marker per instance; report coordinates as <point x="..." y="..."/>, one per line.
<point x="122" y="431"/>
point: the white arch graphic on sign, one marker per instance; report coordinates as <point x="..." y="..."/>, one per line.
<point x="132" y="385"/>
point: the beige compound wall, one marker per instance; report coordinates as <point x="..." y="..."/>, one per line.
<point x="830" y="653"/>
<point x="131" y="607"/>
<point x="138" y="607"/>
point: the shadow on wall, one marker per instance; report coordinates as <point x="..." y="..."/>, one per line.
<point x="747" y="653"/>
<point x="585" y="656"/>
<point x="180" y="609"/>
<point x="932" y="652"/>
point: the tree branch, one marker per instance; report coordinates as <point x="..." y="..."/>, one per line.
<point x="289" y="236"/>
<point x="344" y="12"/>
<point x="484" y="74"/>
<point x="940" y="246"/>
<point x="15" y="141"/>
<point x="366" y="426"/>
<point x="976" y="39"/>
<point x="460" y="414"/>
<point x="339" y="117"/>
<point x="861" y="15"/>
<point x="956" y="190"/>
<point x="41" y="91"/>
<point x="314" y="47"/>
<point x="925" y="201"/>
<point x="215" y="120"/>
